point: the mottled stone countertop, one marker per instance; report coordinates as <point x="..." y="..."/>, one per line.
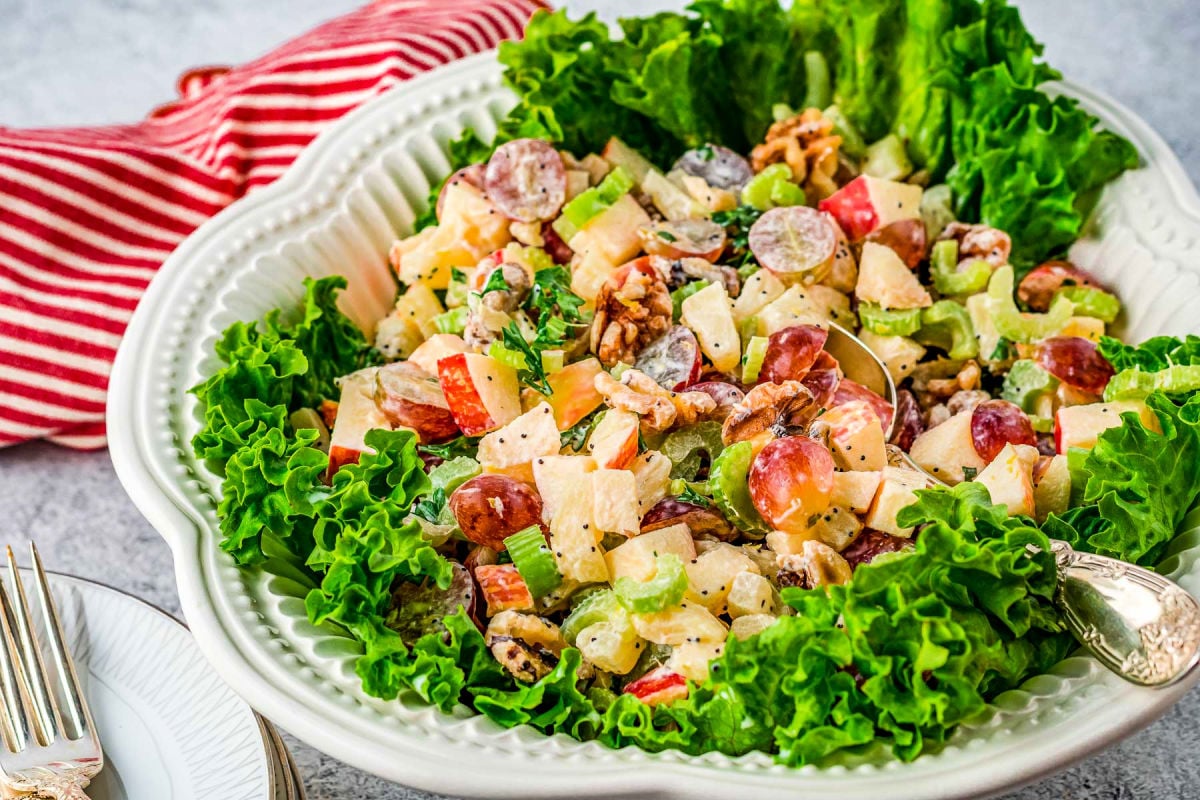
<point x="77" y="62"/>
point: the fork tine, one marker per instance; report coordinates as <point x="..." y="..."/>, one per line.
<point x="44" y="710"/>
<point x="76" y="705"/>
<point x="12" y="681"/>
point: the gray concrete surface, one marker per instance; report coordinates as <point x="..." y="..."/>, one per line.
<point x="95" y="61"/>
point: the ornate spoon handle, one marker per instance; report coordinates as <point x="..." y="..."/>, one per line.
<point x="1142" y="626"/>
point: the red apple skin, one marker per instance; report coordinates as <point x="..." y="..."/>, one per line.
<point x="574" y="395"/>
<point x="464" y="401"/>
<point x="358" y="414"/>
<point x="851" y="207"/>
<point x="339" y="457"/>
<point x="614" y="446"/>
<point x="1058" y="445"/>
<point x="848" y="391"/>
<point x="412" y="398"/>
<point x="660" y="685"/>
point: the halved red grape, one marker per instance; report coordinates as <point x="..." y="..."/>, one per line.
<point x="472" y="175"/>
<point x="871" y="543"/>
<point x="701" y="520"/>
<point x="849" y="391"/>
<point x="910" y="422"/>
<point x="822" y="379"/>
<point x="719" y="166"/>
<point x="684" y="238"/>
<point x="791" y="352"/>
<point x="526" y="180"/>
<point x="1076" y="362"/>
<point x="725" y="394"/>
<point x="412" y="398"/>
<point x="995" y="423"/>
<point x="672" y="360"/>
<point x="906" y="237"/>
<point x="1037" y="289"/>
<point x="795" y="241"/>
<point x="418" y="609"/>
<point x="490" y="508"/>
<point x="791" y="481"/>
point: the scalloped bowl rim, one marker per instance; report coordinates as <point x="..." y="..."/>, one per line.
<point x="485" y="766"/>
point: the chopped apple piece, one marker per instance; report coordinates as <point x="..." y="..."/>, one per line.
<point x="760" y="290"/>
<point x="1081" y="426"/>
<point x="619" y="154"/>
<point x="794" y="307"/>
<point x="670" y="198"/>
<point x="867" y="204"/>
<point x="1088" y="328"/>
<point x="357" y="414"/>
<point x="691" y="659"/>
<point x="527" y="437"/>
<point x="658" y="686"/>
<point x="636" y="558"/>
<point x="652" y="470"/>
<point x="573" y="392"/>
<point x="588" y="273"/>
<point x="844" y="274"/>
<point x="789" y="544"/>
<point x="1052" y="488"/>
<point x="855" y="436"/>
<point x="614" y="441"/>
<point x="555" y="475"/>
<point x="855" y="490"/>
<point x="469" y="228"/>
<point x="710" y="317"/>
<point x="1009" y="479"/>
<point x="612" y="646"/>
<point x="435" y="348"/>
<point x="897" y="490"/>
<point x="711" y="575"/>
<point x="751" y="625"/>
<point x="837" y="527"/>
<point x="686" y="622"/>
<point x="751" y="593"/>
<point x="899" y="354"/>
<point x="614" y="498"/>
<point x="483" y="393"/>
<point x="945" y="450"/>
<point x="884" y="278"/>
<point x="612" y="235"/>
<point x="503" y="589"/>
<point x="573" y="538"/>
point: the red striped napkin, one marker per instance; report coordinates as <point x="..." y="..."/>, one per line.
<point x="87" y="215"/>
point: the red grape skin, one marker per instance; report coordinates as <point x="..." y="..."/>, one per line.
<point x="791" y="481"/>
<point x="909" y="422"/>
<point x="726" y="396"/>
<point x="906" y="237"/>
<point x="489" y="508"/>
<point x="849" y="391"/>
<point x="1037" y="289"/>
<point x="672" y="360"/>
<point x="701" y="521"/>
<point x="995" y="423"/>
<point x="823" y="379"/>
<point x="1076" y="362"/>
<point x="791" y="352"/>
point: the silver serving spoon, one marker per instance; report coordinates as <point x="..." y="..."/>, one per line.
<point x="1139" y="624"/>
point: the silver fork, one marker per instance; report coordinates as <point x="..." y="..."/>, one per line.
<point x="50" y="746"/>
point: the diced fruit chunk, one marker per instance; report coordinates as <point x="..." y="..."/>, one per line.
<point x="614" y="496"/>
<point x="635" y="558"/>
<point x="761" y="289"/>
<point x="711" y="575"/>
<point x="884" y="278"/>
<point x="503" y="589"/>
<point x="573" y="537"/>
<point x="866" y="204"/>
<point x="751" y="625"/>
<point x="837" y="527"/>
<point x="357" y="414"/>
<point x="554" y="477"/>
<point x="897" y="490"/>
<point x="483" y="393"/>
<point x="652" y="471"/>
<point x="1009" y="479"/>
<point x="521" y="441"/>
<point x="614" y="441"/>
<point x="947" y="449"/>
<point x="751" y="593"/>
<point x="855" y="490"/>
<point x="710" y="317"/>
<point x="1052" y="488"/>
<point x="691" y="659"/>
<point x="855" y="436"/>
<point x="686" y="622"/>
<point x="573" y="392"/>
<point x="1081" y="426"/>
<point x="612" y="646"/>
<point x="791" y="481"/>
<point x="899" y="354"/>
<point x="658" y="686"/>
<point x="435" y="348"/>
<point x="612" y="235"/>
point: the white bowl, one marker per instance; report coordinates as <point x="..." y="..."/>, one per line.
<point x="336" y="211"/>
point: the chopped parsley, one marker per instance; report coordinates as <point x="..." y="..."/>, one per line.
<point x="737" y="224"/>
<point x="430" y="507"/>
<point x="462" y="446"/>
<point x="690" y="495"/>
<point x="495" y="282"/>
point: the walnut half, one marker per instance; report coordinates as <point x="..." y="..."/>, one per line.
<point x="658" y="408"/>
<point x="633" y="308"/>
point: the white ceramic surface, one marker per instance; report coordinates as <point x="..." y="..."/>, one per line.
<point x="170" y="728"/>
<point x="337" y="211"/>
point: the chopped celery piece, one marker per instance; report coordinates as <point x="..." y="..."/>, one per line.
<point x="1134" y="384"/>
<point x="537" y="258"/>
<point x="747" y="269"/>
<point x="662" y="591"/>
<point x="763" y="188"/>
<point x="532" y="557"/>
<point x="449" y="475"/>
<point x="552" y="361"/>
<point x="748" y="328"/>
<point x="752" y="359"/>
<point x="457" y="291"/>
<point x="948" y="280"/>
<point x="727" y="481"/>
<point x="786" y="193"/>
<point x="889" y="322"/>
<point x="887" y="159"/>
<point x="1025" y="382"/>
<point x="591" y="202"/>
<point x="1092" y="302"/>
<point x="598" y="606"/>
<point x="683" y="293"/>
<point x="1018" y="327"/>
<point x="937" y="211"/>
<point x="1041" y="424"/>
<point x="452" y="321"/>
<point x="507" y="356"/>
<point x="947" y="325"/>
<point x="818" y="89"/>
<point x="687" y="448"/>
<point x="853" y="144"/>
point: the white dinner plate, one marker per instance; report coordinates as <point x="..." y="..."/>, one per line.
<point x="171" y="729"/>
<point x="336" y="211"/>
